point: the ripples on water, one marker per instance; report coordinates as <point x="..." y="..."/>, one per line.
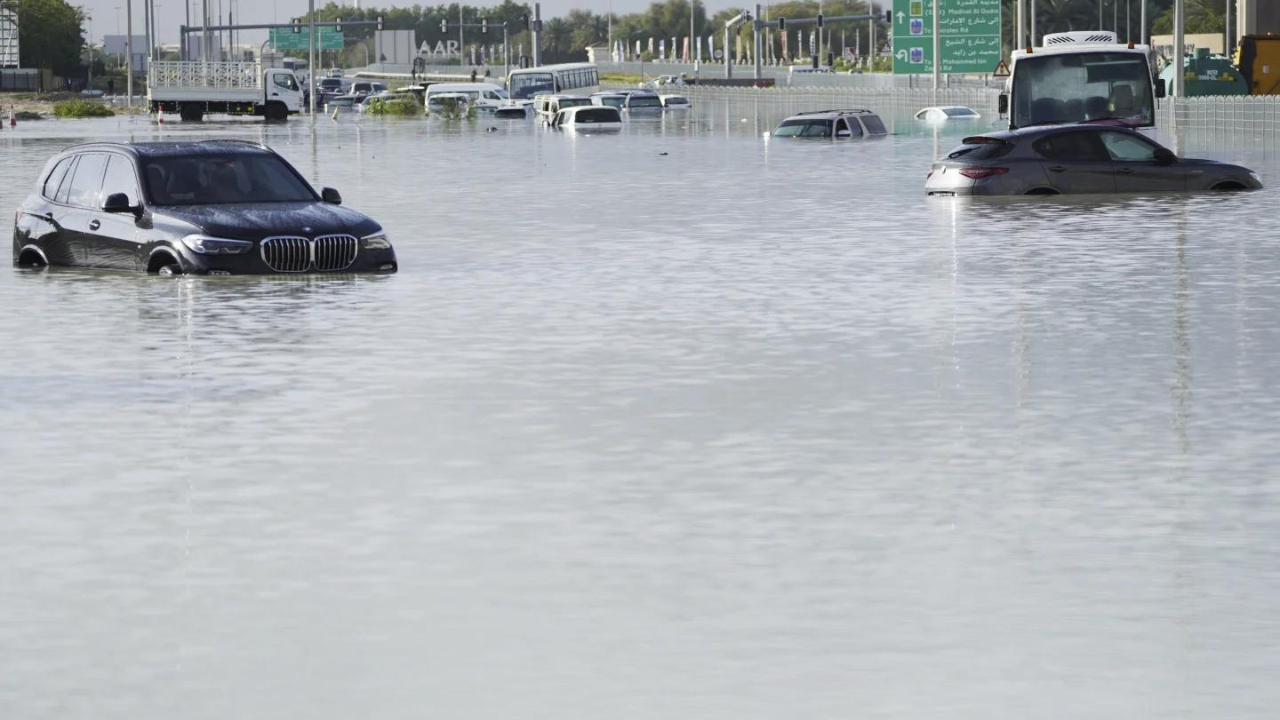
<point x="674" y="422"/>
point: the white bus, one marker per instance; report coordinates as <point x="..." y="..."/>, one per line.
<point x="567" y="79"/>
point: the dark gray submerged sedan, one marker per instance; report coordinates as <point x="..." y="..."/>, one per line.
<point x="219" y="207"/>
<point x="1076" y="159"/>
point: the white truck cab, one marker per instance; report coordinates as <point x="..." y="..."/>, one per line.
<point x="1082" y="76"/>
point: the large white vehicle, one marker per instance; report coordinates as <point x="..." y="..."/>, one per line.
<point x="569" y="78"/>
<point x="1083" y="76"/>
<point x="484" y="96"/>
<point x="193" y="88"/>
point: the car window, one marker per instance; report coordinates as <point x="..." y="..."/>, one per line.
<point x="87" y="182"/>
<point x="875" y="126"/>
<point x="601" y="115"/>
<point x="207" y="179"/>
<point x="285" y="81"/>
<point x="1078" y="146"/>
<point x="1128" y="148"/>
<point x="822" y="128"/>
<point x="51" y="183"/>
<point x="120" y="179"/>
<point x="980" y="149"/>
<point x="64" y="189"/>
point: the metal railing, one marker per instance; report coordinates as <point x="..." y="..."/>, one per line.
<point x="213" y="75"/>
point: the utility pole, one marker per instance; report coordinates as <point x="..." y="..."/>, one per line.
<point x="937" y="46"/>
<point x="1226" y="27"/>
<point x="311" y="59"/>
<point x="537" y="30"/>
<point x="1033" y="23"/>
<point x="1019" y="26"/>
<point x="1179" y="49"/>
<point x="461" y="50"/>
<point x="128" y="50"/>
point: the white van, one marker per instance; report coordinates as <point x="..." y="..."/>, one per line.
<point x="484" y="96"/>
<point x="547" y="106"/>
<point x="587" y="117"/>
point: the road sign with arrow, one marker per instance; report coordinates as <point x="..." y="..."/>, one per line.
<point x="970" y="36"/>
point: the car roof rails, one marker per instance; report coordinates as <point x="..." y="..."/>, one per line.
<point x="252" y="143"/>
<point x="848" y="111"/>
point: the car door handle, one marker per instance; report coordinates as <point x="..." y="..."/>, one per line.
<point x="1058" y="168"/>
<point x="95" y="225"/>
<point x="275" y="94"/>
<point x="1125" y="171"/>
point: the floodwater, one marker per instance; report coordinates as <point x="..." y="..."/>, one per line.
<point x="675" y="422"/>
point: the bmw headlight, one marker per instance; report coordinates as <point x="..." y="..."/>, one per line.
<point x="1256" y="177"/>
<point x="206" y="245"/>
<point x="376" y="241"/>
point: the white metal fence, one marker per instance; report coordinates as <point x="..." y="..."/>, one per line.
<point x="216" y="75"/>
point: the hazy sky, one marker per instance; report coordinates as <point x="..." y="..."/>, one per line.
<point x="170" y="13"/>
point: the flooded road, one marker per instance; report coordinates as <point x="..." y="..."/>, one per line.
<point x="674" y="422"/>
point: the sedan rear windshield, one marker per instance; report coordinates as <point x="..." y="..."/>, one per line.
<point x="597" y="115"/>
<point x="222" y="179"/>
<point x="644" y="101"/>
<point x="980" y="149"/>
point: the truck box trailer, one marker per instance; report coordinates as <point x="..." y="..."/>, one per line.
<point x="193" y="88"/>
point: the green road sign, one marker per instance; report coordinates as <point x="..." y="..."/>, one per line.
<point x="286" y="39"/>
<point x="970" y="36"/>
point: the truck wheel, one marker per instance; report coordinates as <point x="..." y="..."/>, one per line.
<point x="277" y="112"/>
<point x="191" y="112"/>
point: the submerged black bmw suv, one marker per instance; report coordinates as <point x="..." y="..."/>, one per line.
<point x="219" y="207"/>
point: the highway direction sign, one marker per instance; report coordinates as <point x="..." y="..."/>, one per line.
<point x="970" y="36"/>
<point x="286" y="39"/>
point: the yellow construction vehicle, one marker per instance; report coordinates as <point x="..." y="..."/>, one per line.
<point x="1258" y="58"/>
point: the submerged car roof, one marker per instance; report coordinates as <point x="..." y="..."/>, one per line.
<point x="829" y="114"/>
<point x="171" y="149"/>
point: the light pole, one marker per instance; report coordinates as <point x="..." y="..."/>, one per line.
<point x="128" y="48"/>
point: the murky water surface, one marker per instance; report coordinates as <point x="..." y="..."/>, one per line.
<point x="671" y="423"/>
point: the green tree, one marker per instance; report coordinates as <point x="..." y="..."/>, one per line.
<point x="1203" y="16"/>
<point x="50" y="35"/>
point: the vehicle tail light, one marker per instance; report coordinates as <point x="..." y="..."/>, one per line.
<point x="977" y="173"/>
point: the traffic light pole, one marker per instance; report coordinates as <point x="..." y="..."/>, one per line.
<point x="445" y="26"/>
<point x="821" y="21"/>
<point x="297" y="28"/>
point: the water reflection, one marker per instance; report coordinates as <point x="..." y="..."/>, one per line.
<point x="676" y="421"/>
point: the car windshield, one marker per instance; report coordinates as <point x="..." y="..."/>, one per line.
<point x="804" y="128"/>
<point x="1082" y="86"/>
<point x="959" y="112"/>
<point x="222" y="179"/>
<point x="330" y="83"/>
<point x="596" y="115"/>
<point x="526" y="85"/>
<point x="645" y="101"/>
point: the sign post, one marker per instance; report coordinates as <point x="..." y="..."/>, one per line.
<point x="968" y="36"/>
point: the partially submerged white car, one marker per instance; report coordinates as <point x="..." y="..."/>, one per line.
<point x="947" y="112"/>
<point x="587" y="118"/>
<point x="675" y="102"/>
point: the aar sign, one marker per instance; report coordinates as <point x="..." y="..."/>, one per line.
<point x="970" y="31"/>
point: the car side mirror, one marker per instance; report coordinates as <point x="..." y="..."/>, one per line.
<point x="1161" y="90"/>
<point x="1003" y="105"/>
<point x="331" y="196"/>
<point x="1165" y="156"/>
<point x="119" y="203"/>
